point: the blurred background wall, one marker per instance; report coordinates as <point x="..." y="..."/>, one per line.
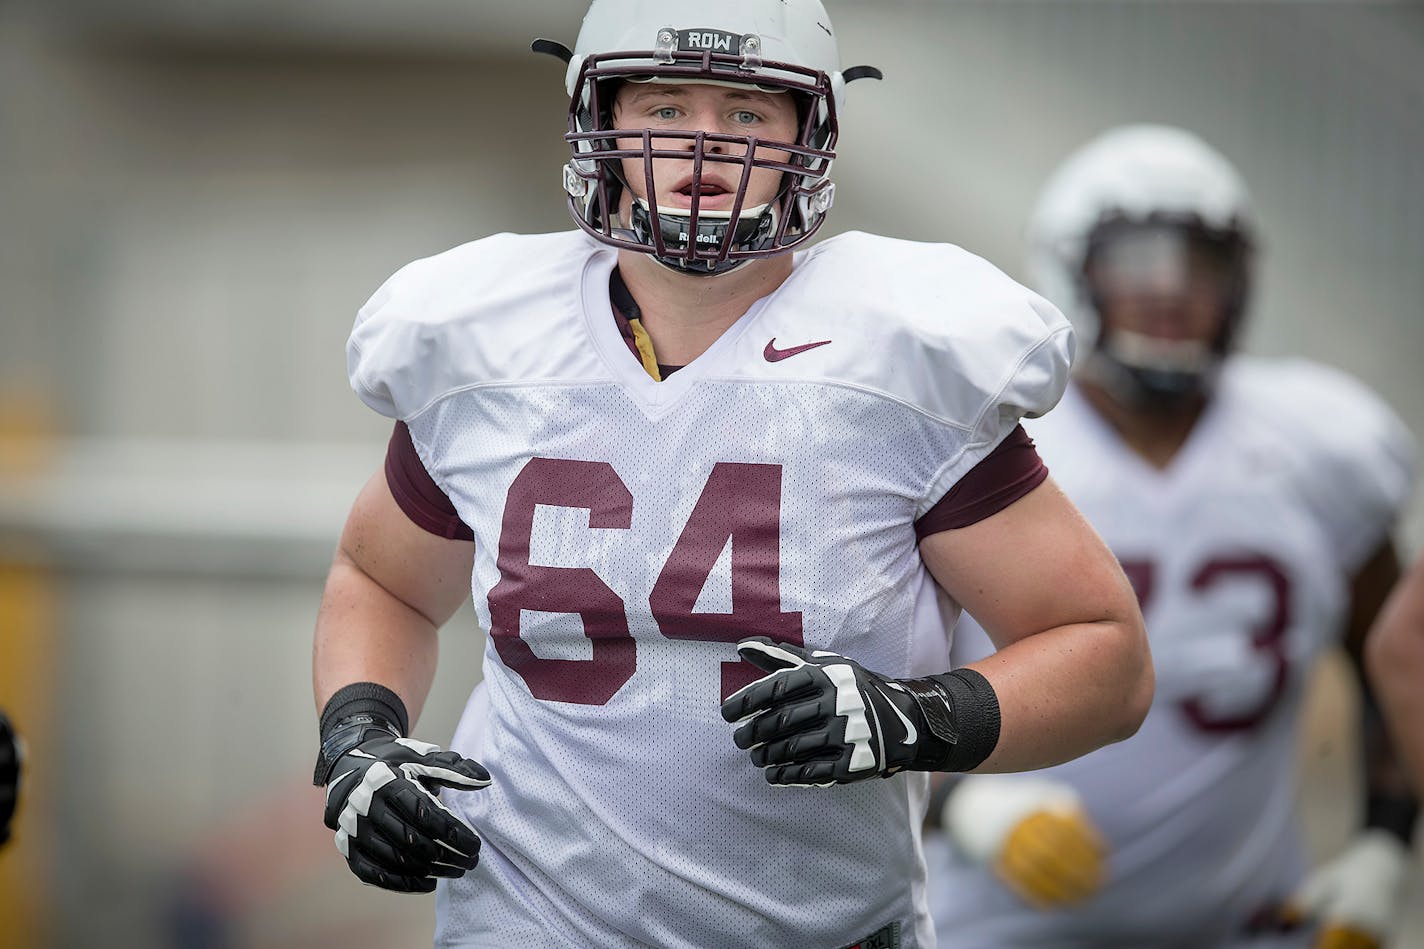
<point x="195" y="197"/>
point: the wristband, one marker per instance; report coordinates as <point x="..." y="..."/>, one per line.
<point x="976" y="718"/>
<point x="960" y="712"/>
<point x="1389" y="806"/>
<point x="1393" y="813"/>
<point x="350" y="713"/>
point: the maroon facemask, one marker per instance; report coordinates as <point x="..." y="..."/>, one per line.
<point x="696" y="240"/>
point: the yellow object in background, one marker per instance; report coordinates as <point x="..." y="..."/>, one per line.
<point x="1033" y="831"/>
<point x="1052" y="857"/>
<point x="1343" y="937"/>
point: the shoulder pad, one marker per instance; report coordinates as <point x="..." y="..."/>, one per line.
<point x="462" y="318"/>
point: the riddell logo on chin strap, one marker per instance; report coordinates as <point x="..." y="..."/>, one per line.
<point x="717" y="41"/>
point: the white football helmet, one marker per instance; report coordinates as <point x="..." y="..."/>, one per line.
<point x="1144" y="183"/>
<point x="774" y="45"/>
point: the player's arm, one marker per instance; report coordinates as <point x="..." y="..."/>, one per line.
<point x="1394" y="653"/>
<point x="1356" y="896"/>
<point x="1073" y="671"/>
<point x="1031" y="830"/>
<point x="1390" y="802"/>
<point x="392" y="585"/>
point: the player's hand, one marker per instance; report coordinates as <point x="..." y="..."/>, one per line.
<point x="818" y="718"/>
<point x="1033" y="831"/>
<point x="382" y="799"/>
<point x="1354" y="898"/>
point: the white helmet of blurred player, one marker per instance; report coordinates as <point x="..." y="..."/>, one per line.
<point x="780" y="46"/>
<point x="1150" y="205"/>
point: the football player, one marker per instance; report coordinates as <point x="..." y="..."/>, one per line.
<point x="11" y="755"/>
<point x="1251" y="502"/>
<point x="716" y="479"/>
<point x="1395" y="655"/>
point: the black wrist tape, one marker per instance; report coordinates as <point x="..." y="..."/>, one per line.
<point x="1395" y="813"/>
<point x="365" y="697"/>
<point x="351" y="712"/>
<point x="976" y="718"/>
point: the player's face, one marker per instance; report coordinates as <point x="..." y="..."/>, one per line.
<point x="1163" y="283"/>
<point x="749" y="112"/>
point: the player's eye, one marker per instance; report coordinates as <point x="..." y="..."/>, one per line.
<point x="744" y="117"/>
<point x="666" y="113"/>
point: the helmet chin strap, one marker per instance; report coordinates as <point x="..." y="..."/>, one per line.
<point x="754" y="230"/>
<point x="1152" y="374"/>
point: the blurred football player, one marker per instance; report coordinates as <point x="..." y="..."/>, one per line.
<point x="1395" y="654"/>
<point x="716" y="480"/>
<point x="1251" y="502"/>
<point x="11" y="755"/>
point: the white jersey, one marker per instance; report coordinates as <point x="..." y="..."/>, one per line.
<point x="1241" y="552"/>
<point x="628" y="532"/>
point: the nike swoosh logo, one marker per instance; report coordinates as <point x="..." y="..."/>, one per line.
<point x="331" y="785"/>
<point x="773" y="354"/>
<point x="911" y="735"/>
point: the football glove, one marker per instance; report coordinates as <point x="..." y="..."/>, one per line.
<point x="1034" y="832"/>
<point x="382" y="799"/>
<point x="1355" y="897"/>
<point x="11" y="756"/>
<point x="818" y="718"/>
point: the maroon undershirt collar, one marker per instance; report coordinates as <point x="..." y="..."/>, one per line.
<point x="626" y="309"/>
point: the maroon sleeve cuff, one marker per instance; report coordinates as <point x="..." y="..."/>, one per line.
<point x="416" y="492"/>
<point x="1006" y="474"/>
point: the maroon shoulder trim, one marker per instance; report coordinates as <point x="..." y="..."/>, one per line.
<point x="417" y="493"/>
<point x="1007" y="473"/>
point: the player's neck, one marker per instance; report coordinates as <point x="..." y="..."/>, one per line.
<point x="684" y="315"/>
<point x="1157" y="436"/>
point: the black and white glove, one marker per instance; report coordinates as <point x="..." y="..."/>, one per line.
<point x="382" y="799"/>
<point x="1356" y="898"/>
<point x="11" y="756"/>
<point x="819" y="718"/>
